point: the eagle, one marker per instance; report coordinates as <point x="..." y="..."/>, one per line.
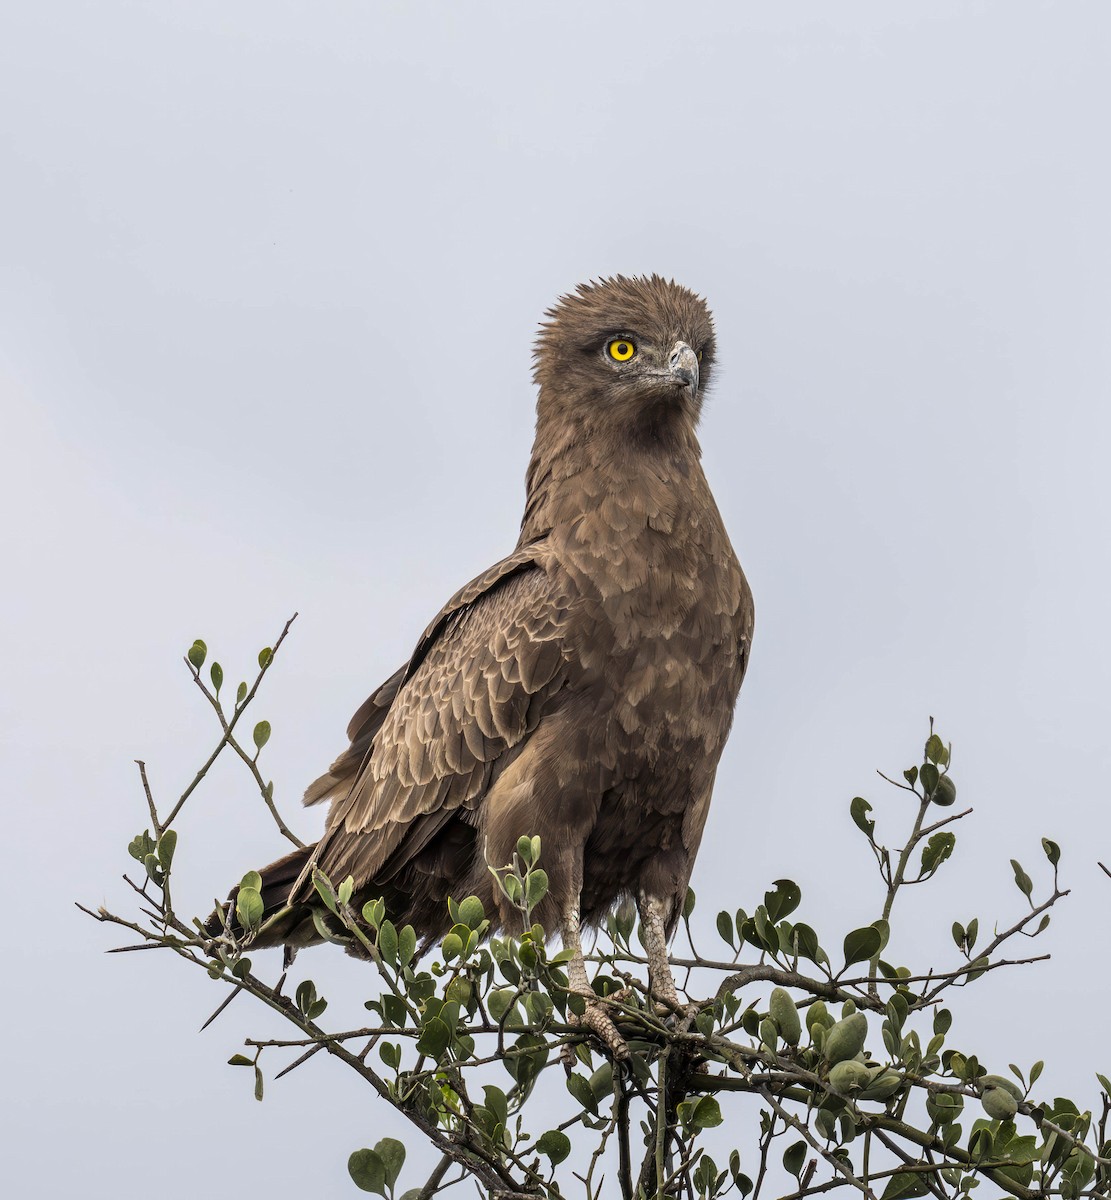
<point x="582" y="688"/>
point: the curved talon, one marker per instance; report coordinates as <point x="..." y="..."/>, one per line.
<point x="686" y="1016"/>
<point x="600" y="1023"/>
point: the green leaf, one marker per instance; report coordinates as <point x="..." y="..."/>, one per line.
<point x="240" y="1060"/>
<point x="707" y="1114"/>
<point x="944" y="1107"/>
<point x="536" y="887"/>
<point x="934" y="853"/>
<point x="434" y="1039"/>
<point x="783" y="900"/>
<point x="196" y="653"/>
<point x="167" y="844"/>
<point x="240" y="694"/>
<point x="345" y="889"/>
<point x="806" y="940"/>
<point x="392" y="1154"/>
<point x="582" y="1092"/>
<point x="261" y="734"/>
<point x="249" y="908"/>
<point x="265" y="656"/>
<point x="929" y="775"/>
<point x="859" y="810"/>
<point x="554" y="1145"/>
<point x="216" y="674"/>
<point x="936" y="751"/>
<point x="324" y="890"/>
<point x="794" y="1157"/>
<point x="911" y="775"/>
<point x="689" y="903"/>
<point x="500" y="1001"/>
<point x="141" y="845"/>
<point x="388" y="942"/>
<point x="862" y="945"/>
<point x="471" y="912"/>
<point x="368" y="1171"/>
<point x="1052" y="851"/>
<point x="527" y="1064"/>
<point x="258" y="1083"/>
<point x="406" y="945"/>
<point x="538" y="1006"/>
<point x="390" y="1054"/>
<point x="601" y="1082"/>
<point x="725" y="928"/>
<point x="154" y="869"/>
<point x="524" y="851"/>
<point x="251" y="880"/>
<point x="976" y="968"/>
<point x="393" y="1010"/>
<point x="1022" y="881"/>
<point x="497" y="1102"/>
<point x="904" y="1186"/>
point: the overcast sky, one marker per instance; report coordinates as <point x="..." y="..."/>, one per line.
<point x="269" y="275"/>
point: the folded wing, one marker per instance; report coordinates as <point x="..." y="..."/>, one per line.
<point x="427" y="745"/>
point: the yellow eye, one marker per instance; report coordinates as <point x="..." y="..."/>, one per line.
<point x="621" y="349"/>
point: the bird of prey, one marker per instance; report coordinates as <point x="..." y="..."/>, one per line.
<point x="583" y="687"/>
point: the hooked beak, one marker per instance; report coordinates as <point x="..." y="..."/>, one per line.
<point x="683" y="365"/>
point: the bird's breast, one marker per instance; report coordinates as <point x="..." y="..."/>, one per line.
<point x="658" y="622"/>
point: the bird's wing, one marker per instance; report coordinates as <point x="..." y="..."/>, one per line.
<point x="476" y="686"/>
<point x="363" y="727"/>
<point x="362" y="730"/>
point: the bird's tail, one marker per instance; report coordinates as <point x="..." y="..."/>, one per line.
<point x="280" y="919"/>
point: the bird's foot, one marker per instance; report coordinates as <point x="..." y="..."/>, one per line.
<point x="597" y="1020"/>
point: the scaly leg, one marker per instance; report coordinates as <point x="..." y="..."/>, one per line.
<point x="595" y="1018"/>
<point x="654" y="933"/>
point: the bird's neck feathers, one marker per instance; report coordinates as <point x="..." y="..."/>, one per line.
<point x="580" y="458"/>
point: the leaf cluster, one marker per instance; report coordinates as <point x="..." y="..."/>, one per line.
<point x="839" y="1052"/>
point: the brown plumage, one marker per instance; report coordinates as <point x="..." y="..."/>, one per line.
<point x="581" y="689"/>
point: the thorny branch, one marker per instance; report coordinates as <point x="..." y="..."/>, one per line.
<point x="684" y="1058"/>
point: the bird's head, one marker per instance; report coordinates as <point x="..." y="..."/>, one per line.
<point x="628" y="354"/>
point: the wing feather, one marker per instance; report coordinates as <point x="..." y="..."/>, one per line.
<point x="477" y="685"/>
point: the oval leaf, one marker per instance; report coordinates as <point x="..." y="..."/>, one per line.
<point x="862" y="945"/>
<point x="249" y="908"/>
<point x="367" y="1171"/>
<point x="554" y="1145"/>
<point x="392" y="1154"/>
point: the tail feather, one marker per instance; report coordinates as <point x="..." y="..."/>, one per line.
<point x="279" y="918"/>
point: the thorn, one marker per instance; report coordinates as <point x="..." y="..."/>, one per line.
<point x="223" y="1004"/>
<point x="297" y="1062"/>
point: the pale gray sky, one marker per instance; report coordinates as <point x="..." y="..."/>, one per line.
<point x="270" y="277"/>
